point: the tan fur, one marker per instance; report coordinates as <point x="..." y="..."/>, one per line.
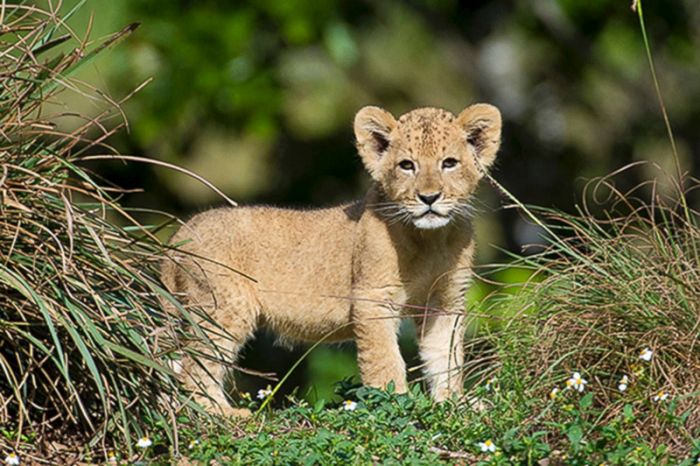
<point x="352" y="271"/>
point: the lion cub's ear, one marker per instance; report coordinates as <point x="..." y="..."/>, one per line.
<point x="373" y="128"/>
<point x="482" y="127"/>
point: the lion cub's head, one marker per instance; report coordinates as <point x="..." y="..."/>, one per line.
<point x="425" y="162"/>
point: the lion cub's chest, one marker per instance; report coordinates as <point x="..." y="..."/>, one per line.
<point x="429" y="272"/>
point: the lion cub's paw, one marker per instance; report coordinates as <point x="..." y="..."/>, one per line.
<point x="225" y="410"/>
<point x="230" y="411"/>
<point x="478" y="404"/>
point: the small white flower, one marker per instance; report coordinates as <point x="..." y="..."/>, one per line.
<point x="624" y="383"/>
<point x="144" y="442"/>
<point x="490" y="384"/>
<point x="646" y="354"/>
<point x="264" y="393"/>
<point x="193" y="444"/>
<point x="349" y="405"/>
<point x="554" y="393"/>
<point x="487" y="446"/>
<point x="176" y="366"/>
<point x="111" y="457"/>
<point x="661" y="396"/>
<point x="576" y="382"/>
<point x="12" y="459"/>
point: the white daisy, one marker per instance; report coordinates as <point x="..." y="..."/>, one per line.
<point x="264" y="393"/>
<point x="576" y="382"/>
<point x="490" y="384"/>
<point x="176" y="366"/>
<point x="624" y="383"/>
<point x="144" y="442"/>
<point x="111" y="457"/>
<point x="193" y="444"/>
<point x="487" y="447"/>
<point x="554" y="393"/>
<point x="646" y="354"/>
<point x="661" y="396"/>
<point x="349" y="405"/>
<point x="12" y="458"/>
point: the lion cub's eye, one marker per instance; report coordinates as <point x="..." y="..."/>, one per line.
<point x="407" y="165"/>
<point x="449" y="162"/>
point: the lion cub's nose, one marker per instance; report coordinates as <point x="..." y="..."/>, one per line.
<point x="429" y="198"/>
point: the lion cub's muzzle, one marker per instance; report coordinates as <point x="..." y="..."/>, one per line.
<point x="431" y="211"/>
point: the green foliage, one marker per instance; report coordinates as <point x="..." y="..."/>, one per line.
<point x="259" y="98"/>
<point x="411" y="429"/>
<point x="222" y="59"/>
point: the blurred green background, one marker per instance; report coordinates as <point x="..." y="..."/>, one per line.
<point x="259" y="97"/>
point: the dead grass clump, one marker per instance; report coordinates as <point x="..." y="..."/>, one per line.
<point x="618" y="283"/>
<point x="84" y="342"/>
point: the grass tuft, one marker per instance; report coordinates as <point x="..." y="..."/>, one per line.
<point x="616" y="283"/>
<point x="84" y="340"/>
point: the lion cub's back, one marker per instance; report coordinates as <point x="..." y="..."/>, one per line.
<point x="303" y="252"/>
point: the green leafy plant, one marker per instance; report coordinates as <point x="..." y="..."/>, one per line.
<point x="379" y="426"/>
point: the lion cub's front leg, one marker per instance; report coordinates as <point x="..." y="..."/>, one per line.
<point x="440" y="337"/>
<point x="376" y="332"/>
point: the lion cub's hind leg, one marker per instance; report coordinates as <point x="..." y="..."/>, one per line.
<point x="235" y="312"/>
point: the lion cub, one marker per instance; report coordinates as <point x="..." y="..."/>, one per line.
<point x="351" y="271"/>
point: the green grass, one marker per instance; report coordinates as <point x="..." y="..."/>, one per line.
<point x="411" y="429"/>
